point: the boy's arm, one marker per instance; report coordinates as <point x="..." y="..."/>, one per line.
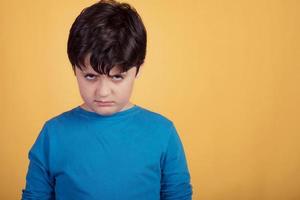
<point x="39" y="184"/>
<point x="175" y="181"/>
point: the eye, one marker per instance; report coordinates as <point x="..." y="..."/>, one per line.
<point x="117" y="77"/>
<point x="90" y="77"/>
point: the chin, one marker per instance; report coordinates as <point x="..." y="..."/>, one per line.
<point x="105" y="111"/>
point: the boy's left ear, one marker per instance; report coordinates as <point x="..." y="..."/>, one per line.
<point x="138" y="75"/>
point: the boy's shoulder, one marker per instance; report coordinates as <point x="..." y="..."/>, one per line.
<point x="155" y="116"/>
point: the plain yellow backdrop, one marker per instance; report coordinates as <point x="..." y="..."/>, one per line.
<point x="225" y="71"/>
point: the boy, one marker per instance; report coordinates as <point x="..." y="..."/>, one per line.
<point x="107" y="148"/>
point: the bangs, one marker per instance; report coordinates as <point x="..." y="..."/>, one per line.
<point x="101" y="64"/>
<point x="106" y="35"/>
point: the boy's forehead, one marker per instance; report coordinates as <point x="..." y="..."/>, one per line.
<point x="89" y="69"/>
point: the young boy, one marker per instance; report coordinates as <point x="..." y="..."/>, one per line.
<point x="107" y="148"/>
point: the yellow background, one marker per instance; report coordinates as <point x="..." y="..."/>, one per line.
<point x="226" y="72"/>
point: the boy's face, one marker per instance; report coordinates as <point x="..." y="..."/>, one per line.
<point x="104" y="94"/>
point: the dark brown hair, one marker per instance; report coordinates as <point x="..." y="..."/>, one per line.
<point x="112" y="33"/>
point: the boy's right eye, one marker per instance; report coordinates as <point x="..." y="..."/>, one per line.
<point x="90" y="77"/>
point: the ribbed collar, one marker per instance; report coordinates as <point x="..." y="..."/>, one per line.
<point x="119" y="115"/>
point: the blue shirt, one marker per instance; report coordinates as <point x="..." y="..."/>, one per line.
<point x="134" y="154"/>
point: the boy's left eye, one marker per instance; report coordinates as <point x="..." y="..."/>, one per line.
<point x="117" y="77"/>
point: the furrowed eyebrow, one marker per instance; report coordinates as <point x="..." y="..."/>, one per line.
<point x="90" y="73"/>
<point x="119" y="73"/>
<point x="110" y="75"/>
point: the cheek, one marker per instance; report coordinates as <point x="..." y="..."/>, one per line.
<point x="86" y="90"/>
<point x="124" y="91"/>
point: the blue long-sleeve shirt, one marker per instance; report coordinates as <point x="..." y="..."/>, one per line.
<point x="134" y="154"/>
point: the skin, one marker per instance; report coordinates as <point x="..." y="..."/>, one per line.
<point x="95" y="88"/>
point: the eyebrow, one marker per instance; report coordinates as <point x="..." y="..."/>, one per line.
<point x="92" y="73"/>
<point x="87" y="71"/>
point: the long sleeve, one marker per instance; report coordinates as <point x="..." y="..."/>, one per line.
<point x="39" y="184"/>
<point x="78" y="154"/>
<point x="175" y="181"/>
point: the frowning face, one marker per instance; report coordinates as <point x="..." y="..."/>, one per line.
<point x="105" y="94"/>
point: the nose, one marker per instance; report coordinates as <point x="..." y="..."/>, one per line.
<point x="103" y="88"/>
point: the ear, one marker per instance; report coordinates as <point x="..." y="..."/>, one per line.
<point x="138" y="75"/>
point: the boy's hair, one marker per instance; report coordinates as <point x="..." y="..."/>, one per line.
<point x="110" y="34"/>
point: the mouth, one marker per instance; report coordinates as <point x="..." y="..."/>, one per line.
<point x="104" y="103"/>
